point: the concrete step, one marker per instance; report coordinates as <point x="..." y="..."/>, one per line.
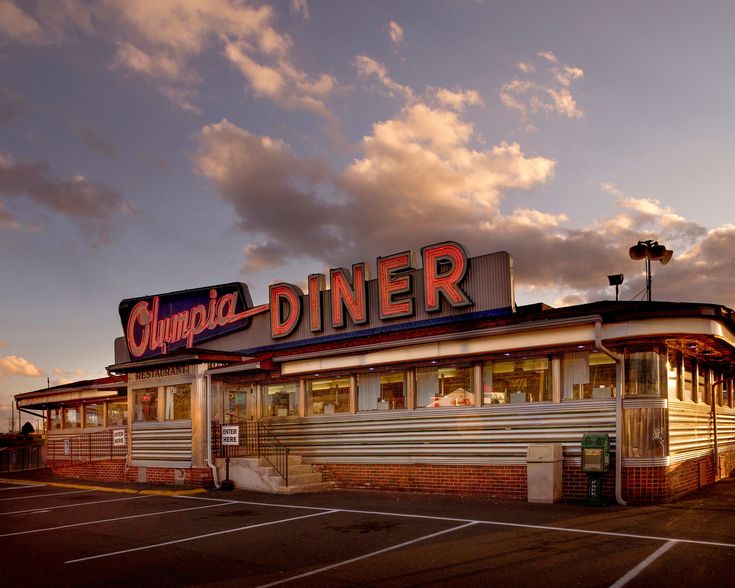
<point x="251" y="473"/>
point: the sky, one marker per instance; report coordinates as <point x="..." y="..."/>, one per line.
<point x="148" y="147"/>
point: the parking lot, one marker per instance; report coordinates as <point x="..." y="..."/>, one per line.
<point x="72" y="534"/>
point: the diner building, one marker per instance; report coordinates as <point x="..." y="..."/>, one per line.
<point x="427" y="378"/>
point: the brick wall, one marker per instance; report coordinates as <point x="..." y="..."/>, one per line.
<point x="118" y="471"/>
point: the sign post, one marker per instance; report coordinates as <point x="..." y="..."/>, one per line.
<point x="230" y="437"/>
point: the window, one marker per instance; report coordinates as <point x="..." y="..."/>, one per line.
<point x="117" y="413"/>
<point x="145" y="405"/>
<point x="178" y="402"/>
<point x="523" y="380"/>
<point x="92" y="415"/>
<point x="381" y="391"/>
<point x="588" y="375"/>
<point x="674" y="388"/>
<point x="328" y="396"/>
<point x="281" y="399"/>
<point x="642" y="374"/>
<point x="54" y="418"/>
<point x="72" y="417"/>
<point x="688" y="379"/>
<point x="444" y="386"/>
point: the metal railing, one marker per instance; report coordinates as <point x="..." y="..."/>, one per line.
<point x="85" y="448"/>
<point x="255" y="440"/>
<point x="19" y="458"/>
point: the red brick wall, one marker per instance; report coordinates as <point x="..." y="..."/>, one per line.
<point x="494" y="481"/>
<point x="117" y="471"/>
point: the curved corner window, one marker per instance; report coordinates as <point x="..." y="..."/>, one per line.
<point x="643" y="374"/>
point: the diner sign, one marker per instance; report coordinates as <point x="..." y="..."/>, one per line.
<point x="160" y="324"/>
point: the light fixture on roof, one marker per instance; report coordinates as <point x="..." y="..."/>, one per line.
<point x="615" y="280"/>
<point x="650" y="251"/>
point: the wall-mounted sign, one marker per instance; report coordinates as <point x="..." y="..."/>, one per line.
<point x="155" y="325"/>
<point x="230" y="434"/>
<point x="118" y="438"/>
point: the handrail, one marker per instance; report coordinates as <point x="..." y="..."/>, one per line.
<point x="85" y="448"/>
<point x="255" y="440"/>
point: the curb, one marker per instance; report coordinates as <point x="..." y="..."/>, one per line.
<point x="104" y="488"/>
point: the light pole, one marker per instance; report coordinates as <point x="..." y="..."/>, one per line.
<point x="615" y="280"/>
<point x="650" y="251"/>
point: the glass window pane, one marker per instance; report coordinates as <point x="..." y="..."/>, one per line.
<point x="525" y="380"/>
<point x="92" y="415"/>
<point x="688" y="379"/>
<point x="54" y="418"/>
<point x="588" y="375"/>
<point x="281" y="399"/>
<point x="72" y="417"/>
<point x="145" y="405"/>
<point x="328" y="396"/>
<point x="444" y="386"/>
<point x="642" y="374"/>
<point x="178" y="402"/>
<point x="117" y="413"/>
<point x="381" y="391"/>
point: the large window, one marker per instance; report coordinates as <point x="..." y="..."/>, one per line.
<point x="516" y="381"/>
<point x="145" y="405"/>
<point x="587" y="375"/>
<point x="117" y="413"/>
<point x="444" y="386"/>
<point x="328" y="396"/>
<point x="643" y="371"/>
<point x="281" y="399"/>
<point x="54" y="418"/>
<point x="688" y="389"/>
<point x="92" y="415"/>
<point x="178" y="402"/>
<point x="72" y="417"/>
<point x="381" y="391"/>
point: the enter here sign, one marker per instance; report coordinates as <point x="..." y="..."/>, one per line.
<point x="230" y="434"/>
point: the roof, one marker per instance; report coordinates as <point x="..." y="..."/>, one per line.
<point x="96" y="389"/>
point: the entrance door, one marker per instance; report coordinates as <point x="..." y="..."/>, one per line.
<point x="241" y="405"/>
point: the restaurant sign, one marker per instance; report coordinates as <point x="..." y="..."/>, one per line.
<point x="156" y="325"/>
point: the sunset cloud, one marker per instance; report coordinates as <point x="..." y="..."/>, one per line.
<point x="545" y="90"/>
<point x="90" y="205"/>
<point x="12" y="365"/>
<point x="395" y="31"/>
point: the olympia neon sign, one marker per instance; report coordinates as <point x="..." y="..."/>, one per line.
<point x="156" y="325"/>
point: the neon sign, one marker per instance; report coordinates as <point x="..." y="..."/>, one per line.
<point x="156" y="325"/>
<point x="445" y="268"/>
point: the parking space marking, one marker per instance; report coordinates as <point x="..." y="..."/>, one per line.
<point x="21" y="487"/>
<point x="196" y="537"/>
<point x="98" y="521"/>
<point x="5" y="514"/>
<point x="496" y="523"/>
<point x="644" y="564"/>
<point x="367" y="555"/>
<point x="42" y="495"/>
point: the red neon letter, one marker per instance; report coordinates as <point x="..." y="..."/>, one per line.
<point x="349" y="295"/>
<point x="285" y="303"/>
<point x="393" y="280"/>
<point x="445" y="266"/>
<point x="316" y="286"/>
<point x="138" y="316"/>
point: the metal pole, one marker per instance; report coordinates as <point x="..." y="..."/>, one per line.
<point x="648" y="277"/>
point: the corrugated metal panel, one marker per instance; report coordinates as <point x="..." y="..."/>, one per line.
<point x="165" y="442"/>
<point x="691" y="434"/>
<point x="490" y="435"/>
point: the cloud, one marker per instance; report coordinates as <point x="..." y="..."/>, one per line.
<point x="459" y="99"/>
<point x="4" y="343"/>
<point x="548" y="92"/>
<point x="90" y="205"/>
<point x="300" y="7"/>
<point x="18" y="26"/>
<point x="395" y="32"/>
<point x="12" y="365"/>
<point x="418" y="177"/>
<point x="370" y="69"/>
<point x="62" y="376"/>
<point x="13" y="106"/>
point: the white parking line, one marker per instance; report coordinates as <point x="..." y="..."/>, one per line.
<point x="43" y="495"/>
<point x="644" y="564"/>
<point x="155" y="545"/>
<point x="97" y="522"/>
<point x="365" y="556"/>
<point x="21" y="487"/>
<point x="5" y="514"/>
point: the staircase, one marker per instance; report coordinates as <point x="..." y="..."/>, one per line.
<point x="253" y="473"/>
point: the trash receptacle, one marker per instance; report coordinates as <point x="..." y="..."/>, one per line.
<point x="544" y="465"/>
